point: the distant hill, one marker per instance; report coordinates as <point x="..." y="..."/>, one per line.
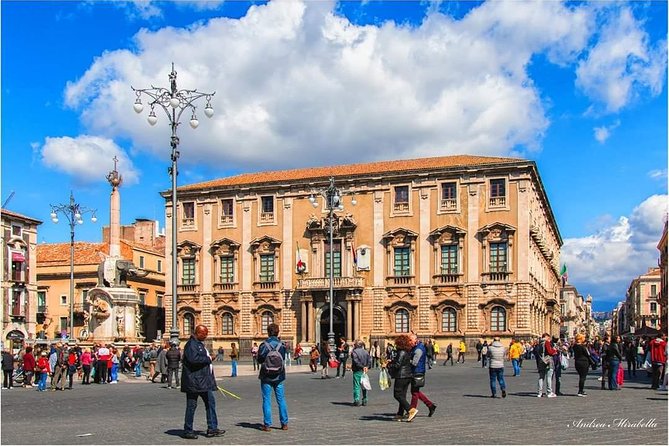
<point x="600" y="316"/>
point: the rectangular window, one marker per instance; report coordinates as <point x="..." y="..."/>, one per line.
<point x="141" y="261"/>
<point x="63" y="300"/>
<point x="18" y="271"/>
<point x="401" y="203"/>
<point x="16" y="303"/>
<point x="267" y="209"/>
<point x="653" y="290"/>
<point x="189" y="214"/>
<point x="41" y="301"/>
<point x="227" y="209"/>
<point x="227" y="269"/>
<point x="160" y="266"/>
<point x="227" y="324"/>
<point x="449" y="259"/>
<point x="402" y="264"/>
<point x="402" y="321"/>
<point x="63" y="324"/>
<point x="159" y="300"/>
<point x="449" y="200"/>
<point x="653" y="308"/>
<point x="188" y="272"/>
<point x="498" y="192"/>
<point x="267" y="267"/>
<point x="16" y="230"/>
<point x="142" y="298"/>
<point x="498" y="257"/>
<point x="336" y="255"/>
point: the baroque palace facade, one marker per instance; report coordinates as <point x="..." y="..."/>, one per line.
<point x="448" y="247"/>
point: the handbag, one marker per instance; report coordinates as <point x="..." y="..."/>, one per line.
<point x="364" y="382"/>
<point x="418" y="381"/>
<point x="333" y="363"/>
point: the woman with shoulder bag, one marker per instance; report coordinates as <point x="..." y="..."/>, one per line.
<point x="582" y="362"/>
<point x="400" y="369"/>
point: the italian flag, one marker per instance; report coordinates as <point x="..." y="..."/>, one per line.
<point x="300" y="266"/>
<point x="564" y="274"/>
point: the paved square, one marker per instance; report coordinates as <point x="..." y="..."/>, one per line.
<point x="138" y="412"/>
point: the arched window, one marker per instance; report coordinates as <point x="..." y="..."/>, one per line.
<point x="401" y="321"/>
<point x="497" y="319"/>
<point x="448" y="319"/>
<point x="189" y="323"/>
<point x="227" y="324"/>
<point x="266" y="318"/>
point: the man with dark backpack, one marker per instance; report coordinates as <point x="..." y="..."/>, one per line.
<point x="272" y="375"/>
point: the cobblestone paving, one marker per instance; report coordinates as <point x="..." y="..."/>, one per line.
<point x="138" y="412"/>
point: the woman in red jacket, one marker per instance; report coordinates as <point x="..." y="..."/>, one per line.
<point x="42" y="369"/>
<point x="28" y="367"/>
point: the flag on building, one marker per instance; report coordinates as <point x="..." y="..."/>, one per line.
<point x="564" y="275"/>
<point x="355" y="255"/>
<point x="300" y="266"/>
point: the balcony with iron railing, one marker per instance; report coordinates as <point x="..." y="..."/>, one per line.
<point x="323" y="283"/>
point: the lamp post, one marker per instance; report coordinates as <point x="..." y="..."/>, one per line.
<point x="174" y="102"/>
<point x="74" y="213"/>
<point x="333" y="201"/>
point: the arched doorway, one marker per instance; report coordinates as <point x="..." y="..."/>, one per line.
<point x="16" y="339"/>
<point x="338" y="323"/>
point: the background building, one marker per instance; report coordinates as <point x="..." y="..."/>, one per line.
<point x="642" y="300"/>
<point x="662" y="295"/>
<point x="19" y="278"/>
<point x="142" y="245"/>
<point x="449" y="247"/>
<point x="577" y="316"/>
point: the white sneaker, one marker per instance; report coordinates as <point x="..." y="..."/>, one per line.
<point x="581" y="394"/>
<point x="599" y="379"/>
<point x="539" y="395"/>
<point x="552" y="395"/>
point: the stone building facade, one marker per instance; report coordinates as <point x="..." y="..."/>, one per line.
<point x="448" y="247"/>
<point x="642" y="302"/>
<point x="576" y="313"/>
<point x="19" y="278"/>
<point x="662" y="263"/>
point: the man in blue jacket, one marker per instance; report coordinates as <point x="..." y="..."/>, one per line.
<point x="272" y="375"/>
<point x="418" y="358"/>
<point x="197" y="380"/>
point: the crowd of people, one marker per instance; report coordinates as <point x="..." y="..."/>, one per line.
<point x="99" y="364"/>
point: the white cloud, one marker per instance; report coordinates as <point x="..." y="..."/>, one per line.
<point x="658" y="174"/>
<point x="604" y="132"/>
<point x="87" y="158"/>
<point x="604" y="263"/>
<point x="622" y="64"/>
<point x="294" y="80"/>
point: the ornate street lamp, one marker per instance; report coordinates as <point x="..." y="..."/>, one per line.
<point x="333" y="201"/>
<point x="174" y="102"/>
<point x="74" y="213"/>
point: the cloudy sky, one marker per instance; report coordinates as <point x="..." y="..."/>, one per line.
<point x="581" y="88"/>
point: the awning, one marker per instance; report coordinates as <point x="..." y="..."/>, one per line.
<point x="18" y="257"/>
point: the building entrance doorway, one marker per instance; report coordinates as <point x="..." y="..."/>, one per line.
<point x="338" y="323"/>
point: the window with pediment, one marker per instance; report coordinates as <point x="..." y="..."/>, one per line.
<point x="498" y="319"/>
<point x="227" y="323"/>
<point x="449" y="319"/>
<point x="188" y="324"/>
<point x="400" y="249"/>
<point x="448" y="243"/>
<point x="266" y="257"/>
<point x="225" y="253"/>
<point x="497" y="243"/>
<point x="401" y="321"/>
<point x="188" y="253"/>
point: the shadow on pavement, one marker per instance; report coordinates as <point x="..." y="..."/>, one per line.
<point x="377" y="417"/>
<point x="175" y="432"/>
<point x="339" y="403"/>
<point x="525" y="394"/>
<point x="247" y="425"/>
<point x="476" y="396"/>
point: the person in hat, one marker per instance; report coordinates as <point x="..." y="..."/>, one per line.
<point x="173" y="356"/>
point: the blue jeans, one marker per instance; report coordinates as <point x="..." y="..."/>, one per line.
<point x="138" y="369"/>
<point x="496" y="375"/>
<point x="516" y="367"/>
<point x="234" y="368"/>
<point x="210" y="406"/>
<point x="267" y="403"/>
<point x="613" y="374"/>
<point x="114" y="372"/>
<point x="42" y="381"/>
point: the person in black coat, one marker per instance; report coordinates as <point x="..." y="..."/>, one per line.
<point x="197" y="381"/>
<point x="615" y="357"/>
<point x="7" y="369"/>
<point x="400" y="369"/>
<point x="173" y="357"/>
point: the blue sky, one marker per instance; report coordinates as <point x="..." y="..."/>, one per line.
<point x="581" y="88"/>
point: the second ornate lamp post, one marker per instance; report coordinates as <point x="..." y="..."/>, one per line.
<point x="74" y="212"/>
<point x="333" y="201"/>
<point x="174" y="102"/>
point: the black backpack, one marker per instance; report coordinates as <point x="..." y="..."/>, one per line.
<point x="273" y="364"/>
